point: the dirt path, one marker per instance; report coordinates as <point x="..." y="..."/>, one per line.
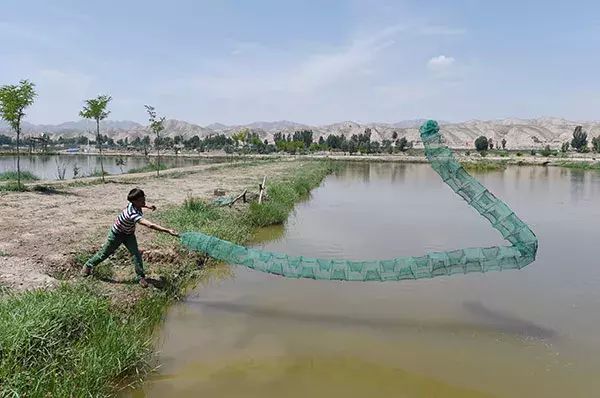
<point x="40" y="233"/>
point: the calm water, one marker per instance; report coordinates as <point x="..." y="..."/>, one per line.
<point x="527" y="333"/>
<point x="46" y="166"/>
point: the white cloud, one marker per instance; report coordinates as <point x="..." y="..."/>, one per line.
<point x="303" y="75"/>
<point x="349" y="62"/>
<point x="440" y="64"/>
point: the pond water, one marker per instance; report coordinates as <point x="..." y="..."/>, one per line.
<point x="531" y="332"/>
<point x="46" y="167"/>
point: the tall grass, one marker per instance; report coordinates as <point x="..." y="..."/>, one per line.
<point x="68" y="342"/>
<point x="283" y="195"/>
<point x="12" y="176"/>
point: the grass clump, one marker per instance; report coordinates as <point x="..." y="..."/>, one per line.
<point x="581" y="165"/>
<point x="147" y="168"/>
<point x="484" y="166"/>
<point x="12" y="176"/>
<point x="68" y="342"/>
<point x="198" y="215"/>
<point x="12" y="186"/>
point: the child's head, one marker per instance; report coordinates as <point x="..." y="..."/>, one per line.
<point x="137" y="197"/>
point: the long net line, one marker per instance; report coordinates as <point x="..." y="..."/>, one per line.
<point x="520" y="253"/>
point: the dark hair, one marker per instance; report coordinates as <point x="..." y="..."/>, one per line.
<point x="135" y="194"/>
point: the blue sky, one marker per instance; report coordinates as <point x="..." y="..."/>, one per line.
<point x="308" y="61"/>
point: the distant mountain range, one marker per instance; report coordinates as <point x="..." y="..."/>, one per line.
<point x="519" y="133"/>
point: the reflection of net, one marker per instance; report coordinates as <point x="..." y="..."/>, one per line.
<point x="522" y="252"/>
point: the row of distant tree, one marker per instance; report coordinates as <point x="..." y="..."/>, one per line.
<point x="15" y="99"/>
<point x="579" y="142"/>
<point x="244" y="141"/>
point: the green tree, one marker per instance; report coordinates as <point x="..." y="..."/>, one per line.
<point x="481" y="143"/>
<point x="333" y="141"/>
<point x="596" y="144"/>
<point x="157" y="125"/>
<point x="503" y="143"/>
<point x="579" y="141"/>
<point x="240" y="136"/>
<point x="95" y="109"/>
<point x="564" y="148"/>
<point x="402" y="144"/>
<point x="306" y="136"/>
<point x="546" y="151"/>
<point x="193" y="142"/>
<point x="13" y="101"/>
<point x="386" y="146"/>
<point x="352" y="146"/>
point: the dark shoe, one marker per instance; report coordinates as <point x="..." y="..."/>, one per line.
<point x="86" y="271"/>
<point x="143" y="283"/>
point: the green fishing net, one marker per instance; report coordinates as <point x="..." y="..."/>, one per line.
<point x="223" y="201"/>
<point x="521" y="252"/>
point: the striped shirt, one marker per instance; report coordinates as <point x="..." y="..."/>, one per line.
<point x="125" y="222"/>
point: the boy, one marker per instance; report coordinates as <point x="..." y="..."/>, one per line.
<point x="123" y="231"/>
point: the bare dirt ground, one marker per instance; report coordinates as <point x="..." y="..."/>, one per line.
<point x="41" y="233"/>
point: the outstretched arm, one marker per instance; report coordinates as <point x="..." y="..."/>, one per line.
<point x="157" y="227"/>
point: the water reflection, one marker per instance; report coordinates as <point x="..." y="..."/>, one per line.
<point x="488" y="320"/>
<point x="577" y="185"/>
<point x="47" y="167"/>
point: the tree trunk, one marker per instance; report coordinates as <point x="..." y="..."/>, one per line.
<point x="18" y="155"/>
<point x="157" y="155"/>
<point x="100" y="143"/>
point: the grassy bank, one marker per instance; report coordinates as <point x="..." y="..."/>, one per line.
<point x="77" y="341"/>
<point x="235" y="226"/>
<point x="581" y="165"/>
<point x="484" y="165"/>
<point x="147" y="168"/>
<point x="12" y="176"/>
<point x="68" y="342"/>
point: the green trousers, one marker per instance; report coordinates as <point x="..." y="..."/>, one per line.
<point x="113" y="242"/>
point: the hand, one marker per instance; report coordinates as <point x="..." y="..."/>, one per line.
<point x="173" y="232"/>
<point x="152" y="207"/>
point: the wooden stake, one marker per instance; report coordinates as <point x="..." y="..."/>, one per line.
<point x="242" y="195"/>
<point x="262" y="189"/>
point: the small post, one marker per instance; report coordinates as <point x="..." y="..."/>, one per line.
<point x="262" y="189"/>
<point x="240" y="196"/>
